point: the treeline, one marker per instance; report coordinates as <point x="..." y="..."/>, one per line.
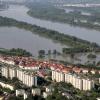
<point x="75" y="50"/>
<point x="54" y="35"/>
<point x="78" y="50"/>
<point x="15" y="52"/>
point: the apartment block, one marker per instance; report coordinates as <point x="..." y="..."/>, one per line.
<point x="27" y="78"/>
<point x="78" y="82"/>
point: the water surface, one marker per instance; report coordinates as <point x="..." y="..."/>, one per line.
<point x="19" y="12"/>
<point x="12" y="37"/>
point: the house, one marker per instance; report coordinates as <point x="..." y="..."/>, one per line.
<point x="36" y="91"/>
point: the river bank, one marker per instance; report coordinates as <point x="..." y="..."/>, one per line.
<point x="15" y="10"/>
<point x="75" y="18"/>
<point x="54" y="35"/>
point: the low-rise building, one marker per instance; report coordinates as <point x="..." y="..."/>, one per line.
<point x="36" y="91"/>
<point x="7" y="85"/>
<point x="46" y="94"/>
<point x="98" y="98"/>
<point x="22" y="92"/>
<point x="25" y="96"/>
<point x="49" y="89"/>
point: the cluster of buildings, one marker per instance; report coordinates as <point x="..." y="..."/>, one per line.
<point x="26" y="69"/>
<point x="26" y="77"/>
<point x="35" y="92"/>
<point x="28" y="63"/>
<point x="5" y="85"/>
<point x="77" y="81"/>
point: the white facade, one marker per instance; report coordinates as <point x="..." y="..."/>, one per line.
<point x="12" y="73"/>
<point x="7" y="62"/>
<point x="98" y="98"/>
<point x="8" y="72"/>
<point x="45" y="94"/>
<point x="6" y="86"/>
<point x="88" y="84"/>
<point x="36" y="91"/>
<point x="76" y="81"/>
<point x="49" y="89"/>
<point x="27" y="78"/>
<point x="68" y="78"/>
<point x="57" y="76"/>
<point x="29" y="68"/>
<point x="21" y="92"/>
<point x="25" y="96"/>
<point x="99" y="80"/>
<point x="5" y="72"/>
<point x="85" y="71"/>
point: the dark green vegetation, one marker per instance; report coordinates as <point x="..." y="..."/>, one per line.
<point x="73" y="93"/>
<point x="15" y="52"/>
<point x="74" y="50"/>
<point x="91" y="56"/>
<point x="54" y="35"/>
<point x="52" y="13"/>
<point x="15" y="82"/>
<point x="31" y="97"/>
<point x="17" y="85"/>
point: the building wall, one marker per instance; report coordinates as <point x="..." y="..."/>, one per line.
<point x="5" y="72"/>
<point x="6" y="86"/>
<point x="12" y="73"/>
<point x="76" y="81"/>
<point x="88" y="84"/>
<point x="23" y="76"/>
<point x="36" y="91"/>
<point x="58" y="76"/>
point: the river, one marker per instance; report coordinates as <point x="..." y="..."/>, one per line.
<point x="19" y="12"/>
<point x="12" y="37"/>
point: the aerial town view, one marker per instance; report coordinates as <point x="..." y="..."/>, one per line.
<point x="49" y="49"/>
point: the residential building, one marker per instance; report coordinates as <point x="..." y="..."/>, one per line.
<point x="22" y="92"/>
<point x="78" y="82"/>
<point x="49" y="89"/>
<point x="28" y="78"/>
<point x="58" y="76"/>
<point x="7" y="85"/>
<point x="5" y="71"/>
<point x="88" y="84"/>
<point x="45" y="94"/>
<point x="12" y="72"/>
<point x="36" y="91"/>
